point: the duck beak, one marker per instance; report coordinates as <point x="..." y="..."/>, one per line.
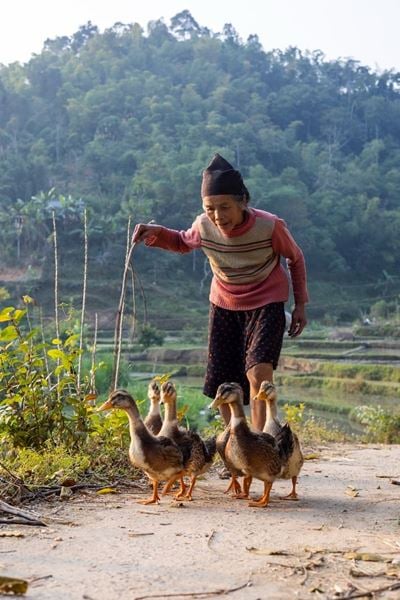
<point x="106" y="406"/>
<point x="216" y="403"/>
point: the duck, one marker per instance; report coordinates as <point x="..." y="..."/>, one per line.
<point x="234" y="486"/>
<point x="295" y="459"/>
<point x="198" y="454"/>
<point x="253" y="453"/>
<point x="159" y="457"/>
<point x="153" y="420"/>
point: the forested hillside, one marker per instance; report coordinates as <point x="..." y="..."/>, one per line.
<point x="124" y="121"/>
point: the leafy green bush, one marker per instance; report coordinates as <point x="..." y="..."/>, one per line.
<point x="40" y="396"/>
<point x="103" y="372"/>
<point x="150" y="336"/>
<point x="381" y="426"/>
<point x="379" y="309"/>
<point x="51" y="464"/>
<point x="310" y="429"/>
<point x="4" y="293"/>
<point x="391" y="330"/>
<point x="362" y="372"/>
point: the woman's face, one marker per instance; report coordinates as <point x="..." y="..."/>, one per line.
<point x="225" y="211"/>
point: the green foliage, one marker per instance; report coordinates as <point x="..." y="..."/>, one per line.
<point x="40" y="397"/>
<point x="150" y="336"/>
<point x="391" y="330"/>
<point x="381" y="425"/>
<point x="4" y="294"/>
<point x="347" y="385"/>
<point x="309" y="428"/>
<point x="315" y="430"/>
<point x="294" y="414"/>
<point x="104" y="370"/>
<point x="50" y="465"/>
<point x="359" y="371"/>
<point x="379" y="309"/>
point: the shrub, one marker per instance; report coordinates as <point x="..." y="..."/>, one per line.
<point x="381" y="426"/>
<point x="150" y="336"/>
<point x="40" y="396"/>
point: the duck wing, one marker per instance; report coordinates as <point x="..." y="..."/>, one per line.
<point x="210" y="448"/>
<point x="254" y="453"/>
<point x="166" y="454"/>
<point x="285" y="442"/>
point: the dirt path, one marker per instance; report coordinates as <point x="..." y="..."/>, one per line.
<point x="115" y="548"/>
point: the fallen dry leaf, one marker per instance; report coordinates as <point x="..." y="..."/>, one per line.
<point x="107" y="490"/>
<point x="12" y="585"/>
<point x="312" y="456"/>
<point x="353" y="493"/>
<point x="18" y="534"/>
<point x="393" y="570"/>
<point x="367" y="556"/>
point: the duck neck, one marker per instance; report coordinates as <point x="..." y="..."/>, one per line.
<point x="170" y="412"/>
<point x="237" y="413"/>
<point x="154" y="409"/>
<point x="135" y="422"/>
<point x="271" y="410"/>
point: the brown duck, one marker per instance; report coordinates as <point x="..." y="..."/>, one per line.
<point x="295" y="459"/>
<point x="255" y="454"/>
<point x="159" y="457"/>
<point x="197" y="454"/>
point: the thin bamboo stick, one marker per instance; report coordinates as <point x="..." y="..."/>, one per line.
<point x="120" y="312"/>
<point x="57" y="323"/>
<point x="78" y="384"/>
<point x="92" y="371"/>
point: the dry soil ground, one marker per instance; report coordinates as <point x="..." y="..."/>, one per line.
<point x="111" y="547"/>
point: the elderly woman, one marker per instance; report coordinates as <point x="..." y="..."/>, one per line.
<point x="244" y="246"/>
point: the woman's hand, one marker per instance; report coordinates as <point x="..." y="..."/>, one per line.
<point x="143" y="231"/>
<point x="299" y="320"/>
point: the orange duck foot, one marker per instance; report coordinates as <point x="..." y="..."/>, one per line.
<point x="235" y="486"/>
<point x="170" y="483"/>
<point x="263" y="501"/>
<point x="150" y="501"/>
<point x="260" y="503"/>
<point x="246" y="487"/>
<point x="155" y="499"/>
<point x="188" y="494"/>
<point x="293" y="495"/>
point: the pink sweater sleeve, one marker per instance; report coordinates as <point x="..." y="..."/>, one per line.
<point x="176" y="241"/>
<point x="284" y="244"/>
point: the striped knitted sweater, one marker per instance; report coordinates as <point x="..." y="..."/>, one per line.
<point x="246" y="265"/>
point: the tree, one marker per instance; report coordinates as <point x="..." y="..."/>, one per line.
<point x="184" y="26"/>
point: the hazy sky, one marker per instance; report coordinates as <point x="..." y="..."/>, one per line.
<point x="366" y="30"/>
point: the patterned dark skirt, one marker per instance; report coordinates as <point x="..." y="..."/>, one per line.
<point x="240" y="339"/>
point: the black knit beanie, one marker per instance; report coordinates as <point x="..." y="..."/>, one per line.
<point x="220" y="178"/>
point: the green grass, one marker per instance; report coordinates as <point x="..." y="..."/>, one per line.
<point x="347" y="385"/>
